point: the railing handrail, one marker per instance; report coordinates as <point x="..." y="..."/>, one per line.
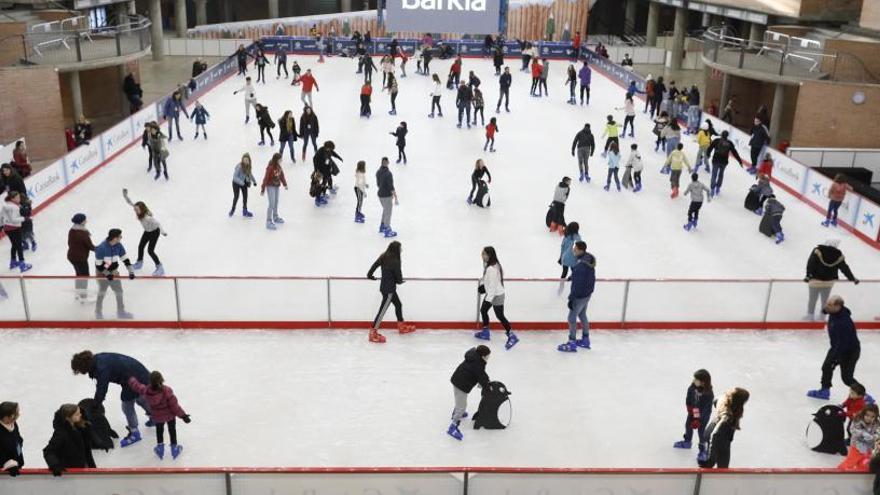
<point x="440" y="279"/>
<point x="136" y="23"/>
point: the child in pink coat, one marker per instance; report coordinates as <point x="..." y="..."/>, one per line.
<point x="163" y="409"/>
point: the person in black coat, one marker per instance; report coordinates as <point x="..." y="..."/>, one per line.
<point x="400" y="134"/>
<point x="308" y="128"/>
<point x="823" y="265"/>
<point x="133" y="93"/>
<point x="498" y="60"/>
<point x="287" y="133"/>
<point x="722" y="428"/>
<point x="585" y="144"/>
<point x="845" y="347"/>
<point x="241" y="56"/>
<point x="504" y="87"/>
<point x="392" y="276"/>
<point x="70" y="446"/>
<point x="467" y="375"/>
<point x="324" y="164"/>
<point x="698" y="402"/>
<point x="463" y="102"/>
<point x="11" y="181"/>
<point x="108" y="367"/>
<point x="264" y="120"/>
<point x="760" y="138"/>
<point x="11" y="443"/>
<point x="720" y="150"/>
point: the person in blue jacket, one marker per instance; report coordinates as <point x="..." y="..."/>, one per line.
<point x="108" y="255"/>
<point x="583" y="281"/>
<point x="698" y="402"/>
<point x="845" y="348"/>
<point x="171" y="110"/>
<point x="566" y="255"/>
<point x="108" y="367"/>
<point x="201" y="116"/>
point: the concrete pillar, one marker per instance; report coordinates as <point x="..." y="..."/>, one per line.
<point x="756" y="34"/>
<point x="156" y="29"/>
<point x="201" y="12"/>
<point x="678" y="34"/>
<point x="776" y="114"/>
<point x="76" y="96"/>
<point x="707" y="20"/>
<point x="630" y="13"/>
<point x="725" y="92"/>
<point x="180" y="18"/>
<point x="273" y="9"/>
<point x="653" y="23"/>
<point x="345" y="5"/>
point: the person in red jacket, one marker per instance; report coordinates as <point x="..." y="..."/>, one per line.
<point x="576" y="46"/>
<point x="164" y="409"/>
<point x="273" y="179"/>
<point x="856" y="400"/>
<point x="836" y="194"/>
<point x="536" y="76"/>
<point x="366" y="96"/>
<point x="491" y="129"/>
<point x="308" y="82"/>
<point x="20" y="159"/>
<point x="454" y="74"/>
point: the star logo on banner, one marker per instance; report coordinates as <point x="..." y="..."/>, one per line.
<point x="817" y="188"/>
<point x="30" y="192"/>
<point x="297" y="45"/>
<point x="74" y="165"/>
<point x="109" y="141"/>
<point x="869" y="219"/>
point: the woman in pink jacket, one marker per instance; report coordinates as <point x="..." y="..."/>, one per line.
<point x="836" y="193"/>
<point x="163" y="409"/>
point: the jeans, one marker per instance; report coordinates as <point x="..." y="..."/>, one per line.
<point x="612" y="172"/>
<point x="694" y="116"/>
<point x="307" y="95"/>
<point x="306" y="136"/>
<point x="571" y="89"/>
<point x="701" y="156"/>
<point x="272" y="209"/>
<point x="288" y="143"/>
<point x="130" y="415"/>
<point x="435" y="102"/>
<point x="387" y="205"/>
<point x="847" y="363"/>
<point x="578" y="311"/>
<point x="717" y="175"/>
<point x="505" y="95"/>
<point x="833" y="206"/>
<point x="460" y="404"/>
<point x="583" y="156"/>
<point x="282" y="65"/>
<point x="671" y="144"/>
<point x="175" y="119"/>
<point x="464" y="108"/>
<point x="103" y="285"/>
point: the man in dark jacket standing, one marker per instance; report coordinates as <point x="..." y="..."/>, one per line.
<point x="720" y="149"/>
<point x="845" y="347"/>
<point x="822" y="271"/>
<point x="467" y="375"/>
<point x="583" y="281"/>
<point x="387" y="197"/>
<point x="463" y="102"/>
<point x="109" y="367"/>
<point x="585" y="145"/>
<point x="760" y="138"/>
<point x="504" y="83"/>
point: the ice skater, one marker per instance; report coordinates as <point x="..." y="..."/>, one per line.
<point x="323" y="163"/>
<point x="79" y="248"/>
<point x="392" y="89"/>
<point x="545" y="74"/>
<point x="308" y="82"/>
<point x="585" y="75"/>
<point x="695" y="190"/>
<point x="467" y="375"/>
<point x="498" y="59"/>
<point x="704" y="139"/>
<point x="660" y="124"/>
<point x="719" y="432"/>
<point x="566" y="255"/>
<point x="463" y="101"/>
<point x="758" y="141"/>
<point x="242" y="180"/>
<point x="260" y="62"/>
<point x="635" y="165"/>
<point x="159" y="146"/>
<point x="536" y="78"/>
<point x="273" y="179"/>
<point x="630" y="120"/>
<point x="308" y="129"/>
<point x="241" y="56"/>
<point x="611" y="133"/>
<point x="675" y="162"/>
<point x="436" y="93"/>
<point x="492" y="288"/>
<point x="571" y="82"/>
<point x="281" y="63"/>
<point x="613" y="166"/>
<point x="480" y="170"/>
<point x="387" y="197"/>
<point x="504" y="83"/>
<point x="836" y="195"/>
<point x="164" y="410"/>
<point x="491" y="129"/>
<point x="400" y="134"/>
<point x="368" y="66"/>
<point x="845" y="348"/>
<point x="479" y="105"/>
<point x="297" y="73"/>
<point x="171" y="110"/>
<point x="250" y="98"/>
<point x="12" y="220"/>
<point x="150" y="237"/>
<point x="583" y="282"/>
<point x="585" y="145"/>
<point x="266" y="124"/>
<point x="360" y="189"/>
<point x="556" y="213"/>
<point x="366" y="98"/>
<point x="200" y="115"/>
<point x="108" y="256"/>
<point x="287" y="134"/>
<point x="720" y="151"/>
<point x="698" y="402"/>
<point x="773" y="211"/>
<point x="823" y="266"/>
<point x="391" y="277"/>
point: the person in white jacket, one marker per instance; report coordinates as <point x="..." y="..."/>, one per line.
<point x="435" y="96"/>
<point x="492" y="286"/>
<point x="11" y="219"/>
<point x="250" y="98"/>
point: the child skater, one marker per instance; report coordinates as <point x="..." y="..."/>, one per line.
<point x="297" y="73"/>
<point x="635" y="161"/>
<point x="698" y="402"/>
<point x="200" y="116"/>
<point x="571" y="81"/>
<point x="854" y="404"/>
<point x="491" y="129"/>
<point x="696" y="189"/>
<point x="612" y="130"/>
<point x="360" y="189"/>
<point x="865" y="430"/>
<point x="675" y="162"/>
<point x="566" y="256"/>
<point x="400" y="134"/>
<point x="366" y="96"/>
<point x="479" y="105"/>
<point x="613" y="166"/>
<point x="164" y="409"/>
<point x="492" y="287"/>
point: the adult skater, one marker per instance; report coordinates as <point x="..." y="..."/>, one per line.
<point x="241" y="55"/>
<point x="720" y="150"/>
<point x="823" y="265"/>
<point x="108" y="256"/>
<point x="387" y="197"/>
<point x="492" y="288"/>
<point x="480" y="170"/>
<point x="659" y="93"/>
<point x="629" y="108"/>
<point x="152" y="230"/>
<point x="845" y="348"/>
<point x="720" y="430"/>
<point x="171" y="110"/>
<point x="392" y="276"/>
<point x="467" y="375"/>
<point x="145" y="143"/>
<point x="360" y="189"/>
<point x="159" y="146"/>
<point x="436" y="93"/>
<point x="12" y="221"/>
<point x="556" y="215"/>
<point x="79" y="248"/>
<point x="387" y="64"/>
<point x="287" y="134"/>
<point x="571" y="80"/>
<point x="583" y="282"/>
<point x="649" y="95"/>
<point x="473" y="81"/>
<point x="454" y="78"/>
<point x="536" y="77"/>
<point x="400" y="134"/>
<point x="369" y="67"/>
<point x="525" y="55"/>
<point x="504" y="83"/>
<point x="836" y="194"/>
<point x="392" y="92"/>
<point x="498" y="60"/>
<point x="759" y="139"/>
<point x="250" y="98"/>
<point x="585" y="75"/>
<point x="273" y="179"/>
<point x="545" y="73"/>
<point x="324" y="164"/>
<point x="308" y="129"/>
<point x="366" y="97"/>
<point x="11" y="443"/>
<point x="70" y="446"/>
<point x="260" y="62"/>
<point x="695" y="190"/>
<point x="585" y="145"/>
<point x="200" y="116"/>
<point x="264" y="120"/>
<point x="463" y="101"/>
<point x="308" y="83"/>
<point x="479" y="106"/>
<point x="242" y="179"/>
<point x="281" y="63"/>
<point x="109" y="367"/>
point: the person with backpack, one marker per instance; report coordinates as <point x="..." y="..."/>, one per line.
<point x="164" y="409"/>
<point x="583" y="282"/>
<point x="492" y="288"/>
<point x="70" y="446"/>
<point x="467" y="375"/>
<point x="391" y="277"/>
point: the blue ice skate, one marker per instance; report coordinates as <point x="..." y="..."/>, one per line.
<point x="512" y="340"/>
<point x="570" y="346"/>
<point x="454" y="432"/>
<point x="821" y="393"/>
<point x="483" y="334"/>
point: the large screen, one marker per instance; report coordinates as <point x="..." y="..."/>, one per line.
<point x="443" y="16"/>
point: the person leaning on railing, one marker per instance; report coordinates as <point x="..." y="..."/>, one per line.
<point x="70" y="446"/>
<point x="822" y="271"/>
<point x="11" y="443"/>
<point x="721" y="429"/>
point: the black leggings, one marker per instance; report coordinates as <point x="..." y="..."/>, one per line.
<point x="499" y="313"/>
<point x="263" y="138"/>
<point x="15" y="239"/>
<point x="435" y="102"/>
<point x="585" y="89"/>
<point x="149" y="240"/>
<point x="306" y="137"/>
<point x="401" y="152"/>
<point x="388" y="298"/>
<point x="629" y="120"/>
<point x="244" y="193"/>
<point x="172" y="432"/>
<point x="261" y="73"/>
<point x="479" y="111"/>
<point x="393" y="102"/>
<point x="564" y="271"/>
<point x="282" y="65"/>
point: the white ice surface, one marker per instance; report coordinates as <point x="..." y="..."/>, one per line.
<point x="633" y="235"/>
<point x="262" y="398"/>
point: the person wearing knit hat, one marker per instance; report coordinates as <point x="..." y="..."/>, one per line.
<point x="79" y="246"/>
<point x="822" y="271"/>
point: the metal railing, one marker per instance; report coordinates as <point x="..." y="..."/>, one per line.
<point x="321" y="302"/>
<point x="780" y="58"/>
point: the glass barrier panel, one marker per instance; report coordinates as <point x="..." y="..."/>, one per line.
<point x="546" y="301"/>
<point x="531" y="484"/>
<point x="788" y="300"/>
<point x="213" y="299"/>
<point x="696" y="301"/>
<point x="57" y="299"/>
<point x="141" y="484"/>
<point x="423" y="300"/>
<point x="11" y="302"/>
<point x="785" y="484"/>
<point x="361" y="483"/>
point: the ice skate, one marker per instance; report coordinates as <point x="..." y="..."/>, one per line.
<point x="483" y="334"/>
<point x="681" y="445"/>
<point x="780" y="237"/>
<point x="376" y="337"/>
<point x="271" y="226"/>
<point x="512" y="340"/>
<point x="159" y="271"/>
<point x="390" y="233"/>
<point x="569" y="346"/>
<point x="821" y="393"/>
<point x="404" y="328"/>
<point x="176" y="450"/>
<point x="138" y="265"/>
<point x="454" y="432"/>
<point x="583" y="342"/>
<point x="23" y="267"/>
<point x="124" y="315"/>
<point x="246" y="213"/>
<point x="134" y="436"/>
<point x="159" y="450"/>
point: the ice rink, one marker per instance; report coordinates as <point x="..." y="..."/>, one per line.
<point x="333" y="399"/>
<point x="632" y="235"/>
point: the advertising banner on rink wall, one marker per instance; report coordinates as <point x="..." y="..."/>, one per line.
<point x="355" y="483"/>
<point x="141" y="484"/>
<point x="443" y="16"/>
<point x="46" y="183"/>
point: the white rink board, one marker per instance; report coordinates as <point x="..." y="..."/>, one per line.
<point x="580" y="484"/>
<point x="252" y="300"/>
<point x="345" y="484"/>
<point x="786" y="484"/>
<point x="141" y="484"/>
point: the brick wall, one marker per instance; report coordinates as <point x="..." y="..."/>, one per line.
<point x="102" y="94"/>
<point x="841" y="10"/>
<point x="848" y="68"/>
<point x="870" y="15"/>
<point x="32" y="108"/>
<point x="11" y="49"/>
<point x="827" y="117"/>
